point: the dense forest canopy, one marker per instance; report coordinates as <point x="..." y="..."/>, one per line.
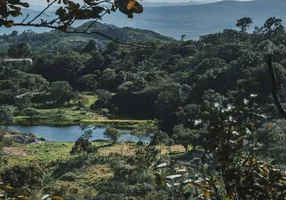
<point x="209" y="98"/>
<point x="170" y="74"/>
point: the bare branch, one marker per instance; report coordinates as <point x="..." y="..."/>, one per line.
<point x="90" y="25"/>
<point x="274" y="92"/>
<point x="49" y="5"/>
<point x="25" y="18"/>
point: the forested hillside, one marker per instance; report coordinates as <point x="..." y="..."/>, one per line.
<point x="63" y="42"/>
<point x="157" y="80"/>
<point x="210" y="97"/>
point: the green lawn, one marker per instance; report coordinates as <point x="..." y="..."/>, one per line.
<point x="67" y="114"/>
<point x="72" y="113"/>
<point x="46" y="152"/>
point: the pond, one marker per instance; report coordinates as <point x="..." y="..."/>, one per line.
<point x="70" y="133"/>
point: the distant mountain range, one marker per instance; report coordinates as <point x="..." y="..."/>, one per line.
<point x="197" y="20"/>
<point x="62" y="40"/>
<point x="193" y="20"/>
<point x="165" y="4"/>
<point x="125" y="34"/>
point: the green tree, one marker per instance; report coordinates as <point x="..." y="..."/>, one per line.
<point x="103" y="98"/>
<point x="32" y="113"/>
<point x="22" y="50"/>
<point x="6" y="116"/>
<point x="22" y="101"/>
<point x="168" y="100"/>
<point x="112" y="134"/>
<point x="183" y="36"/>
<point x="90" y="47"/>
<point x="82" y="145"/>
<point x="67" y="67"/>
<point x="89" y="82"/>
<point x="185" y="136"/>
<point x="3" y="158"/>
<point x="273" y="26"/>
<point x="244" y="23"/>
<point x="62" y="91"/>
<point x="107" y="78"/>
<point x="143" y="131"/>
<point x="160" y="138"/>
<point x="20" y="176"/>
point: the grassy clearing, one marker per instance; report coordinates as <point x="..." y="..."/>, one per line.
<point x="88" y="99"/>
<point x="93" y="173"/>
<point x="48" y="152"/>
<point x="65" y="173"/>
<point x="44" y="152"/>
<point x="65" y="115"/>
<point x="117" y="123"/>
<point x="73" y="114"/>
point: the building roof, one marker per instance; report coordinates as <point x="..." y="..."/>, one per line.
<point x="18" y="60"/>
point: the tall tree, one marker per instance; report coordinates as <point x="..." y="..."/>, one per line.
<point x="89" y="47"/>
<point x="62" y="91"/>
<point x="6" y="116"/>
<point x="272" y="26"/>
<point x="244" y="23"/>
<point x="21" y="50"/>
<point x="112" y="134"/>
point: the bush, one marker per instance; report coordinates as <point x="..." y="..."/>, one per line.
<point x="31" y="175"/>
<point x="140" y="143"/>
<point x="112" y="134"/>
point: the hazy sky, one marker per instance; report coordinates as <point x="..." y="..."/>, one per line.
<point x="44" y="2"/>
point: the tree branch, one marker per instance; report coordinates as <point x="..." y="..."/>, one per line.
<point x="49" y="5"/>
<point x="23" y="21"/>
<point x="90" y="25"/>
<point x="277" y="101"/>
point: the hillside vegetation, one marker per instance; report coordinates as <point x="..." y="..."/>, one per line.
<point x="215" y="133"/>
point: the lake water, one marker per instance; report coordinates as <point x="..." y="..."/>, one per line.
<point x="69" y="133"/>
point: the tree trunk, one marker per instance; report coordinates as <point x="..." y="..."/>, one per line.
<point x="186" y="146"/>
<point x="277" y="102"/>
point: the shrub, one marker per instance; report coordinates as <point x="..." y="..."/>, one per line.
<point x="112" y="134"/>
<point x="31" y="175"/>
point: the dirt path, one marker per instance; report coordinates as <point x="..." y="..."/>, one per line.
<point x="15" y="151"/>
